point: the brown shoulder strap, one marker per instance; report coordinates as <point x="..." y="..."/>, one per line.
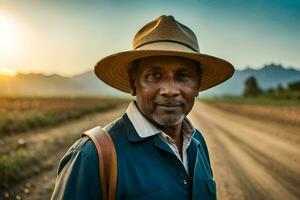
<point x="107" y="161"/>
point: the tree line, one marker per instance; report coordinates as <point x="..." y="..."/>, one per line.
<point x="252" y="89"/>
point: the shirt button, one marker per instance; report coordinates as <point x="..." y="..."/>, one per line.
<point x="185" y="182"/>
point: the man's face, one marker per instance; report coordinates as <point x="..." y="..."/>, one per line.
<point x="165" y="88"/>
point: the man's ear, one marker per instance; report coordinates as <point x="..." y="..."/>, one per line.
<point x="133" y="91"/>
<point x="199" y="72"/>
<point x="132" y="81"/>
<point x="197" y="93"/>
<point x="198" y="88"/>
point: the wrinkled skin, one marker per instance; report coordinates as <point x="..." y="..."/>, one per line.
<point x="165" y="88"/>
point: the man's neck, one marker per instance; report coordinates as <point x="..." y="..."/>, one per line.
<point x="172" y="131"/>
<point x="175" y="133"/>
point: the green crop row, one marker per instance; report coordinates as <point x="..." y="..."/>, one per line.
<point x="260" y="100"/>
<point x="24" y="114"/>
<point x="11" y="164"/>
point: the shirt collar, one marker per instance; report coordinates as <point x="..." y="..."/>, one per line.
<point x="145" y="128"/>
<point x="142" y="125"/>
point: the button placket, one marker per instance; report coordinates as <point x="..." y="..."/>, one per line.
<point x="185" y="182"/>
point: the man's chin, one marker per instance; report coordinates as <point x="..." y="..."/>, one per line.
<point x="169" y="120"/>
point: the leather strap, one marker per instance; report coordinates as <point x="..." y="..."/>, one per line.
<point x="107" y="161"/>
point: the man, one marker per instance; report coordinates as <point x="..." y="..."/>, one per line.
<point x="160" y="155"/>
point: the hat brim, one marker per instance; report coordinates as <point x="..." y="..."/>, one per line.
<point x="113" y="69"/>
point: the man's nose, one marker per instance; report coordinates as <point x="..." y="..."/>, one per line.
<point x="169" y="88"/>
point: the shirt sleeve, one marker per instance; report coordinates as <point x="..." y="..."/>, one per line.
<point x="78" y="173"/>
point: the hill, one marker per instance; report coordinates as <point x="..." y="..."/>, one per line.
<point x="267" y="77"/>
<point x="87" y="84"/>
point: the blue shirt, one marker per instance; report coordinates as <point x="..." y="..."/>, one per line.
<point x="147" y="168"/>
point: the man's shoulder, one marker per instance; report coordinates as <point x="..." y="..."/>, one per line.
<point x="82" y="148"/>
<point x="83" y="144"/>
<point x="77" y="169"/>
<point x="119" y="128"/>
<point x="199" y="137"/>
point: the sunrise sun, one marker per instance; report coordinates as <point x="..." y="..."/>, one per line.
<point x="7" y="71"/>
<point x="9" y="35"/>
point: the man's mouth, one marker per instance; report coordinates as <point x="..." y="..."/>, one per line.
<point x="168" y="105"/>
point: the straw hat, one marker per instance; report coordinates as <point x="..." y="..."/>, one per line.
<point x="162" y="37"/>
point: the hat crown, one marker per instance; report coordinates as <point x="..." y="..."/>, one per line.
<point x="166" y="29"/>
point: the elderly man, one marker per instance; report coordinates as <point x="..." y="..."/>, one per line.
<point x="159" y="154"/>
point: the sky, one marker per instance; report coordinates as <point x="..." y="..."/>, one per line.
<point x="69" y="37"/>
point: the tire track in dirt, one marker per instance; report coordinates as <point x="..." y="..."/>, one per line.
<point x="285" y="176"/>
<point x="258" y="161"/>
<point x="229" y="185"/>
<point x="278" y="149"/>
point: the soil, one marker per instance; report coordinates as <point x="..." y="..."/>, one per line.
<point x="37" y="183"/>
<point x="252" y="157"/>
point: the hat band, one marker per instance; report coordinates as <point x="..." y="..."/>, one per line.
<point x="166" y="46"/>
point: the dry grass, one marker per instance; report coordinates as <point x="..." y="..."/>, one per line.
<point x="24" y="114"/>
<point x="22" y="150"/>
<point x="279" y="114"/>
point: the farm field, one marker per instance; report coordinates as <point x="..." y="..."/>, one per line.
<point x="22" y="154"/>
<point x="288" y="115"/>
<point x="261" y="100"/>
<point x="253" y="150"/>
<point x="25" y="113"/>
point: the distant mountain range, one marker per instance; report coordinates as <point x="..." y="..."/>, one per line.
<point x="87" y="84"/>
<point x="269" y="76"/>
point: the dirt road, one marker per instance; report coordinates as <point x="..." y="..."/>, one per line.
<point x="251" y="159"/>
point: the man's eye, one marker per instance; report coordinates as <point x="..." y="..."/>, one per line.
<point x="153" y="76"/>
<point x="184" y="76"/>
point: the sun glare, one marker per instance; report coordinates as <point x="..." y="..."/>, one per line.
<point x="9" y="35"/>
<point x="7" y="71"/>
